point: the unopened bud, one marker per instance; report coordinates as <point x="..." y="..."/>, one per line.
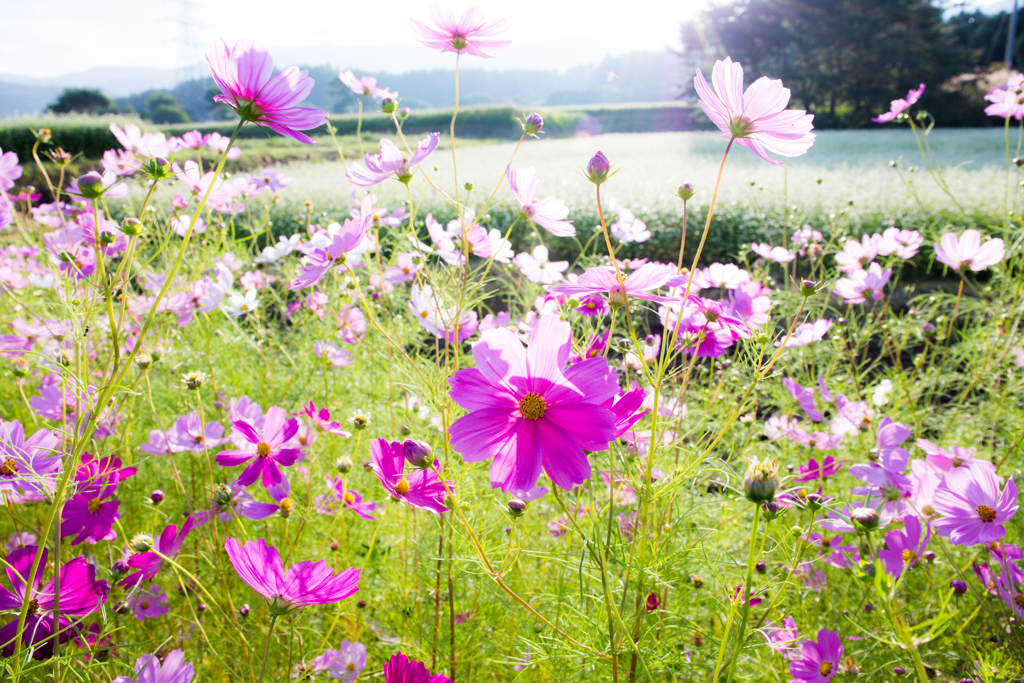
<point x="90" y="185"/>
<point x="244" y="610"/>
<point x="389" y="105"/>
<point x="865" y="518"/>
<point x="193" y="381"/>
<point x="771" y="510"/>
<point x="516" y="507"/>
<point x="403" y="112"/>
<point x="761" y="567"/>
<point x="807" y="288"/>
<point x="333" y="546"/>
<point x="1018" y="161"/>
<point x="598" y="168"/>
<point x="958" y="586"/>
<point x="221" y="494"/>
<point x="141" y="543"/>
<point x="686" y="191"/>
<point x="285" y="507"/>
<point x="157" y="497"/>
<point x="132" y="227"/>
<point x="343" y="464"/>
<point x="418" y="454"/>
<point x="533" y="124"/>
<point x="120" y="568"/>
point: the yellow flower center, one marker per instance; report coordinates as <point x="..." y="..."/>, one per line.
<point x="144" y="604"/>
<point x="349" y="498"/>
<point x="533" y="406"/>
<point x="350" y="666"/>
<point x="986" y="513"/>
<point x="402" y="487"/>
<point x="262" y="449"/>
<point x="909" y="556"/>
<point x="33" y="606"/>
<point x="9" y="467"/>
<point x="94" y="505"/>
<point x="825" y="669"/>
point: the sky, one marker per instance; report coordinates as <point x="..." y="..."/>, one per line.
<point x="556" y="33"/>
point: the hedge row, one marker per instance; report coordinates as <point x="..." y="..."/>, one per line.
<point x="91" y="136"/>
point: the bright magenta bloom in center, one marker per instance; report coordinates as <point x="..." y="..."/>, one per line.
<point x="528" y="411"/>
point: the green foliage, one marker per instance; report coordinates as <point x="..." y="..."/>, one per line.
<point x="82" y="101"/>
<point x="80" y="133"/>
<point x="163" y="107"/>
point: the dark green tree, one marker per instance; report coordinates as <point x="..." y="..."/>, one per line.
<point x="82" y="101"/>
<point x="163" y="107"/>
<point x="844" y="60"/>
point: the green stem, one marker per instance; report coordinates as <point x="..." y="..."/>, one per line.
<point x="745" y="593"/>
<point x="266" y="648"/>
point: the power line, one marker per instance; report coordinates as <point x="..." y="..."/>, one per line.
<point x="189" y="54"/>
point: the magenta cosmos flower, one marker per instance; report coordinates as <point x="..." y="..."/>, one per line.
<point x="248" y="84"/>
<point x="814" y="470"/>
<point x="345" y="239"/>
<point x="528" y="411"/>
<point x="819" y="661"/>
<point x="391" y="161"/>
<point x="328" y="503"/>
<point x="149" y="563"/>
<point x="602" y="279"/>
<point x="421" y="488"/>
<point x="470" y="34"/>
<point x="80" y="595"/>
<point x="150" y="669"/>
<point x="758" y="118"/>
<point x="268" y="452"/>
<point x="401" y="669"/>
<point x="897" y="107"/>
<point x="306" y="583"/>
<point x="973" y="509"/>
<point x="968" y="251"/>
<point x="903" y="548"/>
<point x="547" y="213"/>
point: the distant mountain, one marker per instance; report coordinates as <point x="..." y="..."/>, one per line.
<point x="422" y="78"/>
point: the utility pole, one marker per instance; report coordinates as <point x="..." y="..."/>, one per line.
<point x="1011" y="36"/>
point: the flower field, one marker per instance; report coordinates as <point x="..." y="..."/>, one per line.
<point x="736" y="406"/>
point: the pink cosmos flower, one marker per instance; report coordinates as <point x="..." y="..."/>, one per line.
<point x="337" y="357"/>
<point x="968" y="251"/>
<point x="805" y="397"/>
<point x="27" y="465"/>
<point x="819" y="660"/>
<point x="529" y="414"/>
<point x="770" y="253"/>
<point x="89" y="515"/>
<point x="306" y="583"/>
<point x="757" y="118"/>
<point x="80" y="595"/>
<point x="783" y="639"/>
<point x="9" y="169"/>
<point x="421" y="488"/>
<point x="367" y="85"/>
<point x="973" y="509"/>
<point x="327" y="503"/>
<point x="749" y="303"/>
<point x="266" y="448"/>
<point x="812" y="470"/>
<point x="857" y="255"/>
<point x="602" y="279"/>
<point x="808" y="333"/>
<point x="322" y="419"/>
<point x="189" y="434"/>
<point x="470" y="34"/>
<point x="1007" y="100"/>
<point x="727" y="275"/>
<point x="831" y="551"/>
<point x="863" y="285"/>
<point x="902" y="243"/>
<point x="547" y="213"/>
<point x="903" y="548"/>
<point x="897" y="107"/>
<point x="193" y="139"/>
<point x="349" y="236"/>
<point x="150" y="604"/>
<point x="152" y="669"/>
<point x="391" y="161"/>
<point x="344" y="664"/>
<point x="401" y="669"/>
<point x="248" y="84"/>
<point x="219" y="143"/>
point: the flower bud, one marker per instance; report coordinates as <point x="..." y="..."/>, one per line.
<point x="404" y="112"/>
<point x="244" y="610"/>
<point x="389" y="105"/>
<point x="771" y="510"/>
<point x="43" y="135"/>
<point x="343" y="464"/>
<point x="361" y="604"/>
<point x="120" y="568"/>
<point x="20" y="367"/>
<point x="90" y="185"/>
<point x="1018" y="161"/>
<point x="533" y="124"/>
<point x="157" y="168"/>
<point x="132" y="227"/>
<point x="929" y="556"/>
<point x="418" y="454"/>
<point x="516" y="507"/>
<point x="653" y="602"/>
<point x="221" y="494"/>
<point x="761" y="481"/>
<point x="686" y="191"/>
<point x="141" y="543"/>
<point x="201" y="607"/>
<point x="285" y="507"/>
<point x="868" y="607"/>
<point x="807" y="288"/>
<point x="157" y="497"/>
<point x="598" y="169"/>
<point x="333" y="545"/>
<point x="761" y="567"/>
<point x="899" y="670"/>
<point x="815" y="501"/>
<point x="468" y="187"/>
<point x="865" y="518"/>
<point x="958" y="586"/>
